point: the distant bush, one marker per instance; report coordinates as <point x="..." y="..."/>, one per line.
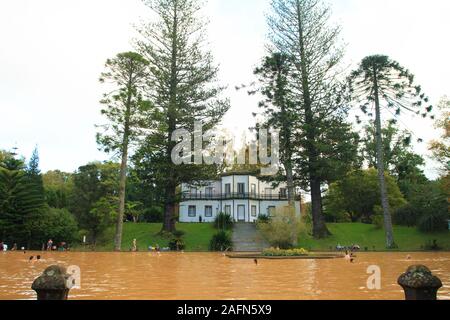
<point x="221" y="241"/>
<point x="432" y="246"/>
<point x="223" y="221"/>
<point x="378" y="221"/>
<point x="406" y="216"/>
<point x="285" y="253"/>
<point x="378" y="218"/>
<point x="153" y="215"/>
<point x="433" y="221"/>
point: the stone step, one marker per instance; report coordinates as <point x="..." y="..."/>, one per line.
<point x="246" y="238"/>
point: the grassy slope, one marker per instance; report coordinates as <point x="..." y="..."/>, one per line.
<point x="197" y="236"/>
<point x="408" y="239"/>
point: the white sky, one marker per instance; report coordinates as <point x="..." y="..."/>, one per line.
<point x="52" y="52"/>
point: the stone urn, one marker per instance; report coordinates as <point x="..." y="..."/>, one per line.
<point x="419" y="283"/>
<point x="53" y="284"/>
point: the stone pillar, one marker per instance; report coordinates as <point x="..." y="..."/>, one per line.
<point x="419" y="283"/>
<point x="53" y="284"/>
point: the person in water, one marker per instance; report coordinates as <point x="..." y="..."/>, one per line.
<point x="50" y="245"/>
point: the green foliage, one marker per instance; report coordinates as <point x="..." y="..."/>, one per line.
<point x="263" y="218"/>
<point x="21" y="201"/>
<point x="153" y="215"/>
<point x="441" y="147"/>
<point x="94" y="202"/>
<point x="358" y="194"/>
<point x="59" y="225"/>
<point x="58" y="188"/>
<point x="432" y="204"/>
<point x="282" y="230"/>
<point x="221" y="241"/>
<point x="183" y="88"/>
<point x="177" y="242"/>
<point x="223" y="221"/>
<point x="378" y="218"/>
<point x="399" y="158"/>
<point x="406" y="216"/>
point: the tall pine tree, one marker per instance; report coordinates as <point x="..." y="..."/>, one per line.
<point x="183" y="88"/>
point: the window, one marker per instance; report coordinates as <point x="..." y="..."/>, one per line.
<point x="268" y="193"/>
<point x="283" y="193"/>
<point x="241" y="188"/>
<point x="228" y="189"/>
<point x="228" y="210"/>
<point x="194" y="192"/>
<point x="208" y="211"/>
<point x="271" y="211"/>
<point x="254" y="211"/>
<point x="192" y="211"/>
<point x="253" y="189"/>
<point x="209" y="192"/>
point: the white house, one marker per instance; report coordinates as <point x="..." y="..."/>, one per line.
<point x="242" y="196"/>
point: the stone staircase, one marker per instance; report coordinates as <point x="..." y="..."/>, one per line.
<point x="246" y="238"/>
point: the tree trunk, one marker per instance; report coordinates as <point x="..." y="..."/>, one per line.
<point x="290" y="184"/>
<point x="380" y="165"/>
<point x="123" y="170"/>
<point x="169" y="224"/>
<point x="122" y="194"/>
<point x="320" y="229"/>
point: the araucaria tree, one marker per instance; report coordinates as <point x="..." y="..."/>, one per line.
<point x="125" y="111"/>
<point x="300" y="29"/>
<point x="182" y="86"/>
<point x="279" y="109"/>
<point x="383" y="84"/>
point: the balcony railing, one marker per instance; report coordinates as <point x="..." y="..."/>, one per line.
<point x="233" y="196"/>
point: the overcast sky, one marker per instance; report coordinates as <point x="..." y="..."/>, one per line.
<point x="52" y="52"/>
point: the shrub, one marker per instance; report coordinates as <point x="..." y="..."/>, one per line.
<point x="59" y="225"/>
<point x="378" y="221"/>
<point x="153" y="215"/>
<point x="177" y="243"/>
<point x="263" y="219"/>
<point x="433" y="222"/>
<point x="432" y="246"/>
<point x="221" y="241"/>
<point x="223" y="221"/>
<point x="378" y="218"/>
<point x="283" y="229"/>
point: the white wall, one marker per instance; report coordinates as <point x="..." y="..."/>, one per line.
<point x="200" y="206"/>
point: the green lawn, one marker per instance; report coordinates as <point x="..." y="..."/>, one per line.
<point x="197" y="236"/>
<point x="346" y="234"/>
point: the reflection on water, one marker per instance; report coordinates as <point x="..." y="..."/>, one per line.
<point x="205" y="276"/>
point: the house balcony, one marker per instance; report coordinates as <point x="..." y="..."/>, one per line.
<point x="233" y="196"/>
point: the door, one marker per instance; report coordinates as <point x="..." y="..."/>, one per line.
<point x="241" y="213"/>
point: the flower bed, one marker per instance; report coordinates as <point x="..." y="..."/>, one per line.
<point x="285" y="253"/>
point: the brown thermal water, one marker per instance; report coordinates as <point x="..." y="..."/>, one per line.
<point x="211" y="276"/>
